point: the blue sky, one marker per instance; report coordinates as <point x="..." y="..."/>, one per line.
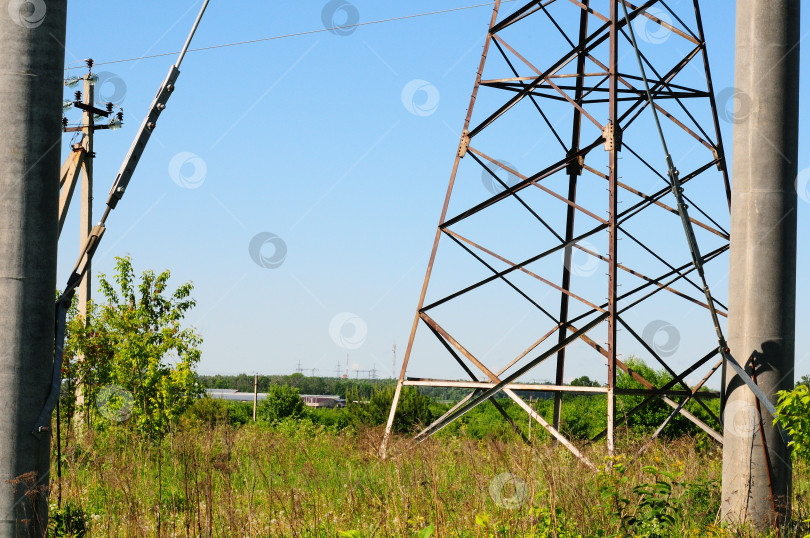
<point x="309" y="141"/>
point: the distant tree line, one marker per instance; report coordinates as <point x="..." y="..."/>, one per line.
<point x="131" y="363"/>
<point x="361" y="389"/>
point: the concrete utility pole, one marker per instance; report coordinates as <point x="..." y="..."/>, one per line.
<point x="756" y="462"/>
<point x="31" y="72"/>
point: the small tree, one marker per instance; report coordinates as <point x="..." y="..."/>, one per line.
<point x="281" y="402"/>
<point x="136" y="341"/>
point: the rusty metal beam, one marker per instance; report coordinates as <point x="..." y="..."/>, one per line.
<point x="566" y="80"/>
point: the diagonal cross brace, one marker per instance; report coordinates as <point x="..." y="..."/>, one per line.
<point x="691" y="240"/>
<point x="509" y="392"/>
<point x="512" y="377"/>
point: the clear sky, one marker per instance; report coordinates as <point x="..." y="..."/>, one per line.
<point x="315" y="147"/>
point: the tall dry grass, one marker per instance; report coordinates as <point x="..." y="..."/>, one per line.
<point x="255" y="481"/>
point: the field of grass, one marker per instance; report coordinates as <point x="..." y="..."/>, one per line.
<point x="296" y="479"/>
<point x="157" y="460"/>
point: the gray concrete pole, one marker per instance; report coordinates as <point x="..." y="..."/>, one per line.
<point x="762" y="287"/>
<point x="31" y="71"/>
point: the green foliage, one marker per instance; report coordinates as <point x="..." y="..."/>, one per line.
<point x="427" y="532"/>
<point x="613" y="481"/>
<point x="240" y="412"/>
<point x="281" y="402"/>
<point x="584" y="381"/>
<point x="298" y="428"/>
<point x="553" y="523"/>
<point x="343" y="387"/>
<point x="583" y="416"/>
<point x="414" y="409"/>
<point x="486" y="422"/>
<point x="701" y="499"/>
<point x="793" y="414"/>
<point x="212" y="480"/>
<point x="651" y="509"/>
<point x="653" y="414"/>
<point x="545" y="523"/>
<point x="67" y="522"/>
<point x="657" y="513"/>
<point x="135" y="341"/>
<point x="332" y="419"/>
<point x="215" y="411"/>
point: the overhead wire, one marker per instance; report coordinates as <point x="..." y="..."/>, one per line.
<point x="298" y="34"/>
<point x="91" y="243"/>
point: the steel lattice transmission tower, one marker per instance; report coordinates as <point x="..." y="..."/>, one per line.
<point x="560" y="243"/>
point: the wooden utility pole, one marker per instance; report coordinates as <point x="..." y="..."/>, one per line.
<point x="530" y="420"/>
<point x="86" y="216"/>
<point x="255" y="394"/>
<point x="80" y="164"/>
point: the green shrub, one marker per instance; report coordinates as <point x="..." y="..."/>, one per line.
<point x="414" y="409"/>
<point x="793" y="414"/>
<point x="651" y="509"/>
<point x="554" y="524"/>
<point x="281" y="402"/>
<point x="67" y="522"/>
<point x="332" y="419"/>
<point x="214" y="411"/>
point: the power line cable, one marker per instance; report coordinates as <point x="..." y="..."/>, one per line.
<point x="297" y="34"/>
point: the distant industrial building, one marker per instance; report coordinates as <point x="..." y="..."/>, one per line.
<point x="233" y="395"/>
<point x="320" y="400"/>
<point x="311" y="400"/>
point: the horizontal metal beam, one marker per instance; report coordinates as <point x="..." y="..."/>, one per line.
<point x="422" y="382"/>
